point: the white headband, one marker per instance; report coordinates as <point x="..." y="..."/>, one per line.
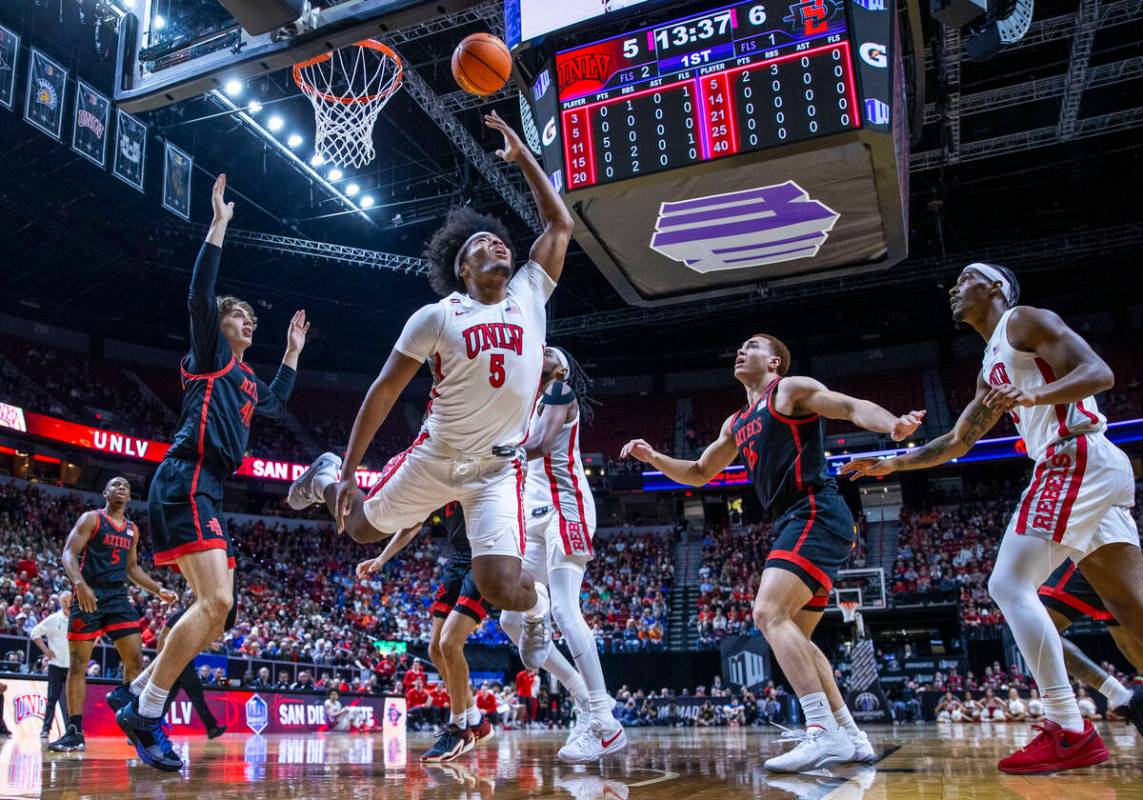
<point x="993" y="274"/>
<point x="561" y="358"/>
<point x="463" y="248"/>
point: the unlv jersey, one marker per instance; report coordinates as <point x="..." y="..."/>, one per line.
<point x="1039" y="426"/>
<point x="558" y="482"/>
<point x="103" y="561"/>
<point x="486" y="361"/>
<point x="784" y="456"/>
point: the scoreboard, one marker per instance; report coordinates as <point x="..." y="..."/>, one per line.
<point x="708" y="147"/>
<point x="732" y="80"/>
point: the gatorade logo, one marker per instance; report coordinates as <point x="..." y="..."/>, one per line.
<point x="874" y="55"/>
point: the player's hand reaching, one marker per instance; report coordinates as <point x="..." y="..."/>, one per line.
<point x="223" y="211"/>
<point x="167" y="596"/>
<point x="906" y="424"/>
<point x="1006" y="397"/>
<point x="639" y="450"/>
<point x="368" y="567"/>
<point x="513" y="147"/>
<point x="85" y="597"/>
<point x="296" y="333"/>
<point x="867" y="467"/>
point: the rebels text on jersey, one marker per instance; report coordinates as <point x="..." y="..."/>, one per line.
<point x="784" y="456"/>
<point x="486" y="360"/>
<point x="103" y="561"/>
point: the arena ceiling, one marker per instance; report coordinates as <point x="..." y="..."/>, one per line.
<point x="1008" y="163"/>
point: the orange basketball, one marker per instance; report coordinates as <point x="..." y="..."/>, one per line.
<point x="481" y="64"/>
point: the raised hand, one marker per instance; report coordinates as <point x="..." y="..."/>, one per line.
<point x="296" y="333"/>
<point x="513" y="147"/>
<point x="906" y="424"/>
<point x="639" y="450"/>
<point x="223" y="211"/>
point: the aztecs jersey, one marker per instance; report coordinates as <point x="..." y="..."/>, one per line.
<point x="1038" y="426"/>
<point x="103" y="560"/>
<point x="784" y="456"/>
<point x="557" y="481"/>
<point x="486" y="362"/>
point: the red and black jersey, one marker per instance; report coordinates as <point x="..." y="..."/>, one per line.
<point x="784" y="456"/>
<point x="452" y="520"/>
<point x="103" y="560"/>
<point x="221" y="394"/>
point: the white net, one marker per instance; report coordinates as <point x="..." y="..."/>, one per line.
<point x="348" y="88"/>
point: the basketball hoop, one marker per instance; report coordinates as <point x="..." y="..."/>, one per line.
<point x="848" y="609"/>
<point x="348" y="88"/>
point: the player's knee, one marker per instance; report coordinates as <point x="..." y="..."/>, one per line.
<point x="767" y="615"/>
<point x="436" y="652"/>
<point x="215" y="604"/>
<point x="1003" y="589"/>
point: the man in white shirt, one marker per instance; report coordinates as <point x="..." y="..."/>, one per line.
<point x="50" y="635"/>
<point x="484" y="341"/>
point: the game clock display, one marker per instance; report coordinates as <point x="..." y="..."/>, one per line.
<point x="733" y="80"/>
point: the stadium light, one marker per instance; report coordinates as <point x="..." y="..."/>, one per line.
<point x="352" y="189"/>
<point x="158" y="23"/>
<point x="366" y="202"/>
<point x="254" y="107"/>
<point x="335" y="174"/>
<point x="233" y="88"/>
<point x="275" y="123"/>
<point x="317" y="159"/>
<point x="295" y="140"/>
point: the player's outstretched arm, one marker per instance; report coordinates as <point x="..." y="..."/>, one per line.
<point x="273" y="400"/>
<point x="975" y="421"/>
<point x="395" y="545"/>
<point x="207" y="345"/>
<point x="552" y="245"/>
<point x="809" y="395"/>
<point x="1041" y="331"/>
<point x="559" y="409"/>
<point x="77" y="539"/>
<point x="399" y="369"/>
<point x="138" y="576"/>
<point x="717" y="457"/>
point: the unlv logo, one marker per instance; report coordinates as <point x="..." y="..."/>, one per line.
<point x="998" y="376"/>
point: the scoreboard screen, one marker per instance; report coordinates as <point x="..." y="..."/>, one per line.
<point x="737" y="79"/>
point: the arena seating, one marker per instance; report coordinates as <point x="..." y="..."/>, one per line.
<point x="620" y="419"/>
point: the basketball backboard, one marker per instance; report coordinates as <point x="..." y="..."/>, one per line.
<point x="866" y="585"/>
<point x="179" y="49"/>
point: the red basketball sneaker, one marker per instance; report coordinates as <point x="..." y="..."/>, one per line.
<point x="1056" y="749"/>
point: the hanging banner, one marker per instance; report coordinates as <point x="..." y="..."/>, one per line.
<point x="9" y="52"/>
<point x="43" y="106"/>
<point x="177" y="167"/>
<point x="92" y="118"/>
<point x="130" y="149"/>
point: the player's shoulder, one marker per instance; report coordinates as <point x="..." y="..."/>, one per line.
<point x="559" y="393"/>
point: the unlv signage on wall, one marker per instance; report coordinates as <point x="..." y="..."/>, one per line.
<point x="124" y="445"/>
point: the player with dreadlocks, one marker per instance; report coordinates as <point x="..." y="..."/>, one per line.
<point x="484" y="341"/>
<point x="561" y="522"/>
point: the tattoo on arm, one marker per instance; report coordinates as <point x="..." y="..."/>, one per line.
<point x="978" y="420"/>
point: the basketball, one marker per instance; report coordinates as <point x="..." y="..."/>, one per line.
<point x="481" y="64"/>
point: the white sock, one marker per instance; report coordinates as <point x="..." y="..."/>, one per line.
<point x="136" y="686"/>
<point x="540" y="609"/>
<point x="1060" y="707"/>
<point x="563" y="586"/>
<point x="816" y="708"/>
<point x="1116" y="693"/>
<point x="459" y="720"/>
<point x="600" y="704"/>
<point x="152" y="700"/>
<point x="845" y="721"/>
<point x="472" y="716"/>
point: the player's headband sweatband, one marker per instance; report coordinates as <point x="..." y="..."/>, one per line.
<point x="561" y="359"/>
<point x="993" y="274"/>
<point x="464" y="249"/>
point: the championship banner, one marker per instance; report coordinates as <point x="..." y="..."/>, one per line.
<point x="177" y="168"/>
<point x="91" y="124"/>
<point x="745" y="662"/>
<point x="44" y="103"/>
<point x="130" y="149"/>
<point x="9" y="53"/>
<point x="866" y="699"/>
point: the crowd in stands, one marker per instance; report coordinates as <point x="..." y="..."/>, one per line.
<point x="732" y="562"/>
<point x="625" y="591"/>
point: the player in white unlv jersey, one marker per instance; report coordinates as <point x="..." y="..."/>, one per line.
<point x="561" y="525"/>
<point x="1077" y="504"/>
<point x="484" y="343"/>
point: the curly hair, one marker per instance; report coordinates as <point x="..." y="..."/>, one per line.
<point x="580" y="383"/>
<point x="442" y="248"/>
<point x="228" y="302"/>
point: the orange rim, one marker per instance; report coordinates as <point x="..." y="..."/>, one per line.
<point x="371" y="44"/>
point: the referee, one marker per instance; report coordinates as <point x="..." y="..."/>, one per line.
<point x="53" y="628"/>
<point x="188" y="681"/>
